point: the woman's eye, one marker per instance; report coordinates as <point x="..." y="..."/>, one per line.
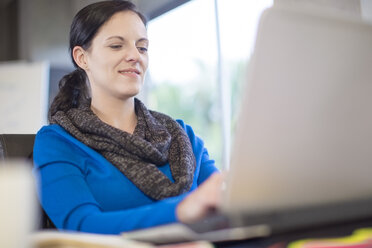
<point x="142" y="49"/>
<point x="115" y="46"/>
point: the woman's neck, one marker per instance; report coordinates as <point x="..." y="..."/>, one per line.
<point x="117" y="113"/>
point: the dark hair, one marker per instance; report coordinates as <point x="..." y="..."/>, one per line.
<point x="85" y="25"/>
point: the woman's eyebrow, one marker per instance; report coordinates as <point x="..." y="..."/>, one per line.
<point x="122" y="38"/>
<point x="115" y="37"/>
<point x="143" y="40"/>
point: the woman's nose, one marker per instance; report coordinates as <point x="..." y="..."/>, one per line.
<point x="132" y="54"/>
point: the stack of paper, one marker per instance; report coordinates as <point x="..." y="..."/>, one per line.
<point x="59" y="239"/>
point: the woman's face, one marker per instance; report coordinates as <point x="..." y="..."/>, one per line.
<point x="117" y="59"/>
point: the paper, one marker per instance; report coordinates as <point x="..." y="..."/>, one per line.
<point x="24" y="94"/>
<point x="59" y="239"/>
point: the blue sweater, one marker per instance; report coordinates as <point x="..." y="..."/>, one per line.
<point x="81" y="190"/>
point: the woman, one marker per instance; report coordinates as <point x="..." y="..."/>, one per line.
<point x="107" y="164"/>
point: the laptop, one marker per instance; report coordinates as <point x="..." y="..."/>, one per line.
<point x="301" y="156"/>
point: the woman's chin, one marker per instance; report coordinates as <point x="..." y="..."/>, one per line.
<point x="130" y="94"/>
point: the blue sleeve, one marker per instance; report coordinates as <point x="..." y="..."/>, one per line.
<point x="67" y="199"/>
<point x="206" y="166"/>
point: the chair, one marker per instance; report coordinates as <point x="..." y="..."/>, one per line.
<point x="13" y="146"/>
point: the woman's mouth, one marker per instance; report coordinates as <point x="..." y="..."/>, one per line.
<point x="131" y="73"/>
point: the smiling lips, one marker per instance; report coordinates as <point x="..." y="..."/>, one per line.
<point x="130" y="72"/>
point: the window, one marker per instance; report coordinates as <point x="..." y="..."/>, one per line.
<point x="195" y="70"/>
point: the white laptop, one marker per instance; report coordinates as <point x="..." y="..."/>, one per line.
<point x="303" y="143"/>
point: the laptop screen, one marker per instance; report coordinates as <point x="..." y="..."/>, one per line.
<point x="304" y="133"/>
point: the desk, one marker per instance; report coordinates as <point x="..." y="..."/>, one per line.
<point x="280" y="240"/>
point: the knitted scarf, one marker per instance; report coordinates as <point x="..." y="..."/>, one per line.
<point x="156" y="140"/>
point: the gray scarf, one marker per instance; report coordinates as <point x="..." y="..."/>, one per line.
<point x="157" y="140"/>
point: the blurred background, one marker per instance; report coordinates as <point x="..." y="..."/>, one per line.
<point x="199" y="54"/>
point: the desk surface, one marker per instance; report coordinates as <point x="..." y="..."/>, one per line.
<point x="283" y="239"/>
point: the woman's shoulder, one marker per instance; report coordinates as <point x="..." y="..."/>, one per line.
<point x="196" y="142"/>
<point x="182" y="123"/>
<point x="188" y="129"/>
<point x="54" y="133"/>
<point x="51" y="132"/>
<point x="53" y="143"/>
<point x="49" y="129"/>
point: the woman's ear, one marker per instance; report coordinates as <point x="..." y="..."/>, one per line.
<point x="80" y="57"/>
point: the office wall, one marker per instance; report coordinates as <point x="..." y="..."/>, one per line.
<point x="8" y="30"/>
<point x="153" y="9"/>
<point x="43" y="30"/>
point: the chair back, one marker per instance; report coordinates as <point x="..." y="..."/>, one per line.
<point x="16" y="146"/>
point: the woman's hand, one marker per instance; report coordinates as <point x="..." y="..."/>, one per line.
<point x="202" y="200"/>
